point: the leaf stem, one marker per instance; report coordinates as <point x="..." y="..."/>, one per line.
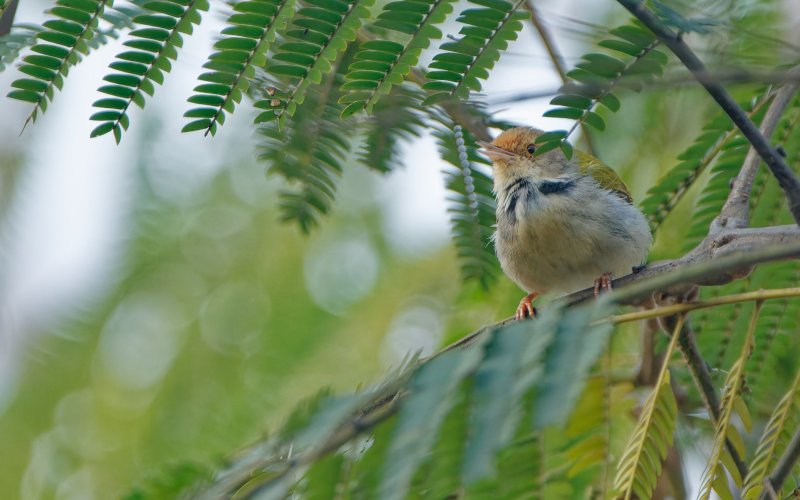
<point x="780" y="293"/>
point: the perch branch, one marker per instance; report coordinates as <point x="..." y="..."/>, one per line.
<point x="786" y="178"/>
<point x="7" y="13"/>
<point x="736" y="212"/>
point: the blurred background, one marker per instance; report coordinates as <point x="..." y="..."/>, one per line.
<point x="153" y="309"/>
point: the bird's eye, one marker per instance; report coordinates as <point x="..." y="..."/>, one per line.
<point x="531" y="148"/>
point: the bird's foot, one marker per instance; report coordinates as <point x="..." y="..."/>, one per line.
<point x="525" y="308"/>
<point x="602" y="283"/>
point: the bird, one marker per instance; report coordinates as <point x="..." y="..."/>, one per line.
<point x="562" y="223"/>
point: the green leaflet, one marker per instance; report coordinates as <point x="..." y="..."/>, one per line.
<point x="472" y="204"/>
<point x="776" y="435"/>
<point x="389" y="62"/>
<point x="394" y="120"/>
<point x="11" y="44"/>
<point x="640" y="464"/>
<point x="308" y="152"/>
<point x="460" y="65"/>
<point x="153" y="47"/>
<point x="63" y="42"/>
<point x="311" y="51"/>
<point x="714" y="477"/>
<point x="635" y="61"/>
<point x="242" y="48"/>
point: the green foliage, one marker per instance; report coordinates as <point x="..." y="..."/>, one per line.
<point x="62" y="43"/>
<point x="472" y="204"/>
<point x="407" y="414"/>
<point x="776" y="435"/>
<point x="640" y="464"/>
<point x="396" y="119"/>
<point x="308" y="153"/>
<point x="635" y="62"/>
<point x="11" y="44"/>
<point x="154" y="44"/>
<point x="714" y="478"/>
<point x="461" y="64"/>
<point x="322" y="31"/>
<point x="381" y="64"/>
<point x="243" y="47"/>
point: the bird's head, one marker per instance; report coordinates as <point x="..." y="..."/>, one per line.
<point x="513" y="155"/>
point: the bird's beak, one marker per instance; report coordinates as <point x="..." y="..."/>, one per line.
<point x="493" y="152"/>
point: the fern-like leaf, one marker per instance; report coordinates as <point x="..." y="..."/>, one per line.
<point x="715" y="192"/>
<point x="634" y="55"/>
<point x="243" y="47"/>
<point x="154" y="45"/>
<point x="394" y="120"/>
<point x="640" y="464"/>
<point x="472" y="205"/>
<point x="63" y="42"/>
<point x="381" y="64"/>
<point x="693" y="161"/>
<point x="461" y="64"/>
<point x="776" y="435"/>
<point x="323" y="30"/>
<point x="714" y="478"/>
<point x="308" y="153"/>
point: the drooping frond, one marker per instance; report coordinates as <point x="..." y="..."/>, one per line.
<point x="322" y="30"/>
<point x="308" y="152"/>
<point x="640" y="464"/>
<point x="243" y="47"/>
<point x="693" y="161"/>
<point x="472" y="205"/>
<point x="774" y="438"/>
<point x="63" y="43"/>
<point x="430" y="398"/>
<point x="595" y="79"/>
<point x="396" y="119"/>
<point x="155" y="43"/>
<point x="459" y="67"/>
<point x="381" y="64"/>
<point x="393" y="437"/>
<point x="19" y="38"/>
<point x="714" y="477"/>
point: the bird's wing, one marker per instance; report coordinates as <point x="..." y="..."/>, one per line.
<point x="603" y="174"/>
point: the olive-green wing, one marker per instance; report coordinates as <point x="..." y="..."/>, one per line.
<point x="603" y="174"/>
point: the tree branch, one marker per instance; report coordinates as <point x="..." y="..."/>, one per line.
<point x="736" y="211"/>
<point x="7" y="13"/>
<point x="702" y="379"/>
<point x="786" y="178"/>
<point x="785" y="465"/>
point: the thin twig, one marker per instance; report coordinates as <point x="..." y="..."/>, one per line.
<point x="558" y="61"/>
<point x="736" y="211"/>
<point x="658" y="312"/>
<point x="785" y="464"/>
<point x="786" y="178"/>
<point x="702" y="379"/>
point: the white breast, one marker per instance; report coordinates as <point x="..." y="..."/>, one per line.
<point x="562" y="241"/>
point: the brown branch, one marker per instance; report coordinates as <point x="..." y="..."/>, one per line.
<point x="785" y="465"/>
<point x="702" y="379"/>
<point x="736" y="211"/>
<point x="786" y="178"/>
<point x="7" y="13"/>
